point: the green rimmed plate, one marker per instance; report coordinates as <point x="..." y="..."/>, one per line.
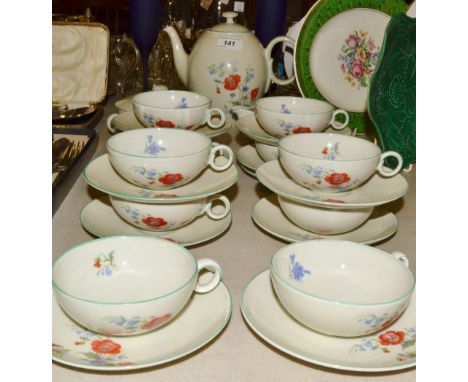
<point x="323" y="21"/>
<point x="392" y="92"/>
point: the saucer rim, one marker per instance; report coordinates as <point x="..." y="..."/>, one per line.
<point x="304" y="357"/>
<point x="188" y="244"/>
<point x="326" y="237"/>
<point x="198" y="346"/>
<point x="174" y="200"/>
<point x="245" y="147"/>
<point x="332" y="204"/>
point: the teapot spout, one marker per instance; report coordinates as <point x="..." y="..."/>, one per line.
<point x="180" y="57"/>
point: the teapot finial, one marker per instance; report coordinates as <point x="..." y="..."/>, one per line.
<point x="229" y="16"/>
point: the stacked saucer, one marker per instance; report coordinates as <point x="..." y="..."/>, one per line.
<point x="277" y="117"/>
<point x="161" y="182"/>
<point x="327" y="186"/>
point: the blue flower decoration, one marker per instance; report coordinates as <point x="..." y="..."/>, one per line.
<point x="296" y="269"/>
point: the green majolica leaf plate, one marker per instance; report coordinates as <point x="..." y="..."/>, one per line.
<point x="319" y="15"/>
<point x="392" y="92"/>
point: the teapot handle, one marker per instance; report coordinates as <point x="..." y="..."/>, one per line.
<point x="271" y="74"/>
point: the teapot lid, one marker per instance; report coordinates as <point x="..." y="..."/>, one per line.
<point x="230" y="26"/>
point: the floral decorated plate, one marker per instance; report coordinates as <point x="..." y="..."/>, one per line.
<point x="249" y="126"/>
<point x="393" y="348"/>
<point x="201" y="320"/>
<point x="100" y="219"/>
<point x="127" y="121"/>
<point x="337" y="49"/>
<point x="248" y="157"/>
<point x="374" y="192"/>
<point x="267" y="215"/>
<point x="100" y="174"/>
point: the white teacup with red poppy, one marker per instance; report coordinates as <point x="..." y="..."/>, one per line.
<point x="165" y="217"/>
<point x="282" y="116"/>
<point x="341" y="288"/>
<point x="324" y="221"/>
<point x="331" y="162"/>
<point x="127" y="285"/>
<point x="176" y="109"/>
<point x="161" y="159"/>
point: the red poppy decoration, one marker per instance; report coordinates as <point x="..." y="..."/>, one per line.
<point x="391" y="337"/>
<point x="232" y="82"/>
<point x="300" y="130"/>
<point x="162" y="123"/>
<point x="105" y="347"/>
<point x="337" y="178"/>
<point x="333" y="200"/>
<point x="157" y="321"/>
<point x="97" y="263"/>
<point x="154" y="222"/>
<point x="170" y="179"/>
<point x="254" y="93"/>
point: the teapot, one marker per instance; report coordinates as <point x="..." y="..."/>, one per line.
<point x="228" y="64"/>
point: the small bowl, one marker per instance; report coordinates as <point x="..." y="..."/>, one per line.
<point x="267" y="152"/>
<point x="325" y="221"/>
<point x="176" y="109"/>
<point x="127" y="285"/>
<point x="332" y="162"/>
<point x="282" y="116"/>
<point x="165" y="217"/>
<point x="341" y="288"/>
<point x="161" y="159"/>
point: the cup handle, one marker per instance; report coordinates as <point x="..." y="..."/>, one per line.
<point x="158" y="88"/>
<point x="241" y="111"/>
<point x="333" y="119"/>
<point x="109" y="120"/>
<point x="210" y="113"/>
<point x="269" y="60"/>
<point x="211" y="214"/>
<point x="396" y="170"/>
<point x="217" y="275"/>
<point x="223" y="150"/>
<point x="401" y="257"/>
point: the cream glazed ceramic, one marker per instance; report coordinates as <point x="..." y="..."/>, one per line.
<point x="202" y="319"/>
<point x="227" y="64"/>
<point x="327" y="221"/>
<point x="176" y="109"/>
<point x="108" y="287"/>
<point x="326" y="285"/>
<point x="267" y="152"/>
<point x="393" y="348"/>
<point x="100" y="219"/>
<point x="333" y="163"/>
<point x="248" y="157"/>
<point x="248" y="125"/>
<point x="100" y="174"/>
<point x="268" y="215"/>
<point x="128" y="121"/>
<point x="166" y="217"/>
<point x="281" y="116"/>
<point x="376" y="191"/>
<point x="161" y="159"/>
<point x="123" y="105"/>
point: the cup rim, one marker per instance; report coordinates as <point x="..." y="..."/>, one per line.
<point x="287" y="138"/>
<point x="286" y="98"/>
<point x="158" y="129"/>
<point x="135" y="99"/>
<point x="275" y="272"/>
<point x="123" y="237"/>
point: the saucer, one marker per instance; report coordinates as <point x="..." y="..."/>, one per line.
<point x="100" y="174"/>
<point x="127" y="121"/>
<point x="248" y="157"/>
<point x="376" y="191"/>
<point x="267" y="214"/>
<point x="124" y="104"/>
<point x="249" y="126"/>
<point x="202" y="319"/>
<point x="265" y="315"/>
<point x="99" y="218"/>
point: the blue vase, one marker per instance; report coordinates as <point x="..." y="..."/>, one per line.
<point x="270" y="19"/>
<point x="145" y="19"/>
